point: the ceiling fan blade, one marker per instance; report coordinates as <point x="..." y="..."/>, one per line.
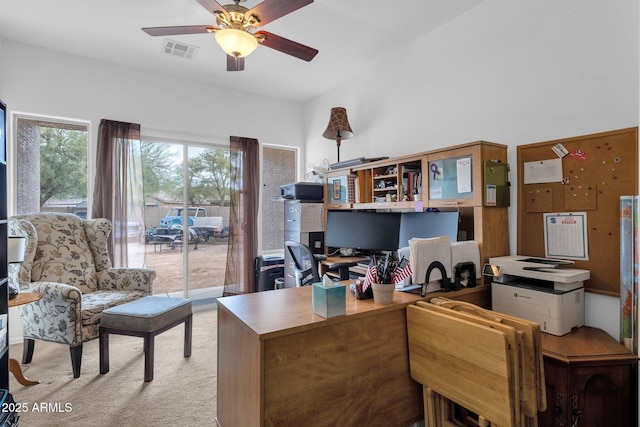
<point x="270" y="10"/>
<point x="287" y="46"/>
<point x="174" y="31"/>
<point x="213" y="6"/>
<point x="235" y="64"/>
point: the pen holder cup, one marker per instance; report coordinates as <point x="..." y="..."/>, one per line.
<point x="383" y="292"/>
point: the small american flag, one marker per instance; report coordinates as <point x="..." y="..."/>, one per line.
<point x="402" y="271"/>
<point x="371" y="276"/>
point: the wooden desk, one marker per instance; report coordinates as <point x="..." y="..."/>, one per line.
<point x="14" y="366"/>
<point x="279" y="364"/>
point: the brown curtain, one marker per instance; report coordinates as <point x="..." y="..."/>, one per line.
<point x="118" y="190"/>
<point x="243" y="216"/>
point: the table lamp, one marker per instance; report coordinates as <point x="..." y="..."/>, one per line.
<point x="338" y="127"/>
<point x="15" y="255"/>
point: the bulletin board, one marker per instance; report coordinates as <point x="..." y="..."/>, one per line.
<point x="588" y="180"/>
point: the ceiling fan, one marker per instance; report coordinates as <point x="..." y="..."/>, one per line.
<point x="236" y="29"/>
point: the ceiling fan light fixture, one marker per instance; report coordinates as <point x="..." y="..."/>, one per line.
<point x="235" y="42"/>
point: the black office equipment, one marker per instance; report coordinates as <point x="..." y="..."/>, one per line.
<point x="362" y="230"/>
<point x="303" y="191"/>
<point x="267" y="269"/>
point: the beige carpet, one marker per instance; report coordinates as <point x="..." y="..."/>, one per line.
<point x="182" y="393"/>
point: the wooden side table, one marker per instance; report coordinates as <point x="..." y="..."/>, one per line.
<point x="14" y="366"/>
<point x="591" y="379"/>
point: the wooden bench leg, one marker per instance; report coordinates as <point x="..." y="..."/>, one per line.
<point x="149" y="344"/>
<point x="104" y="351"/>
<point x="187" y="335"/>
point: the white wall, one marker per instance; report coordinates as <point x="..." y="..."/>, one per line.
<point x="508" y="72"/>
<point x="42" y="81"/>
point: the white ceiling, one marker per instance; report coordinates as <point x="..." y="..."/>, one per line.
<point x="351" y="35"/>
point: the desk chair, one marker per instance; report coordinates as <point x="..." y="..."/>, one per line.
<point x="305" y="266"/>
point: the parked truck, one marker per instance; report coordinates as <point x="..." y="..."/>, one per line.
<point x="174" y="216"/>
<point x="200" y="226"/>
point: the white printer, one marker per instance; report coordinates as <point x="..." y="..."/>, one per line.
<point x="539" y="289"/>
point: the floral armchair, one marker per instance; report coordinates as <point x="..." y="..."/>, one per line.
<point x="67" y="261"/>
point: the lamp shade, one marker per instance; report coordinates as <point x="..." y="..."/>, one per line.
<point x="338" y="127"/>
<point x="236" y="43"/>
<point x="15" y="249"/>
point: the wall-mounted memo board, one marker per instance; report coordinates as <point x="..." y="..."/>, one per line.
<point x="597" y="170"/>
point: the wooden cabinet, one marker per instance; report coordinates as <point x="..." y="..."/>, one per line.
<point x="4" y="283"/>
<point x="448" y="179"/>
<point x="591" y="380"/>
<point x="456" y="182"/>
<point x="455" y="175"/>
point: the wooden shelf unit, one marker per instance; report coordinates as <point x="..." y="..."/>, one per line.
<point x="488" y="225"/>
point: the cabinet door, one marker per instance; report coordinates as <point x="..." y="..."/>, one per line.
<point x="587" y="396"/>
<point x="600" y="396"/>
<point x="455" y="177"/>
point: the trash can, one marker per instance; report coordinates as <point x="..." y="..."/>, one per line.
<point x="268" y="268"/>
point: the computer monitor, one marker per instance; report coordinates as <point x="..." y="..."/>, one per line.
<point x="427" y="224"/>
<point x="362" y="230"/>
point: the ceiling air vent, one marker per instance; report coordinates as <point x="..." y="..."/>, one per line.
<point x="181" y="50"/>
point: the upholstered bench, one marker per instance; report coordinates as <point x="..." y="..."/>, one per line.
<point x="146" y="317"/>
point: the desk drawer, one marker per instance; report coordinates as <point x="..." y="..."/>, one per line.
<point x="303" y="217"/>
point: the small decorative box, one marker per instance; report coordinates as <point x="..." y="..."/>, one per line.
<point x="329" y="300"/>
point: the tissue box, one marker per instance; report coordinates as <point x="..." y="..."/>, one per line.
<point x="329" y="300"/>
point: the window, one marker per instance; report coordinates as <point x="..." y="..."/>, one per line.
<point x="51" y="157"/>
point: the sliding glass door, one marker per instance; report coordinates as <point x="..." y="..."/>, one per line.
<point x="186" y="217"/>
